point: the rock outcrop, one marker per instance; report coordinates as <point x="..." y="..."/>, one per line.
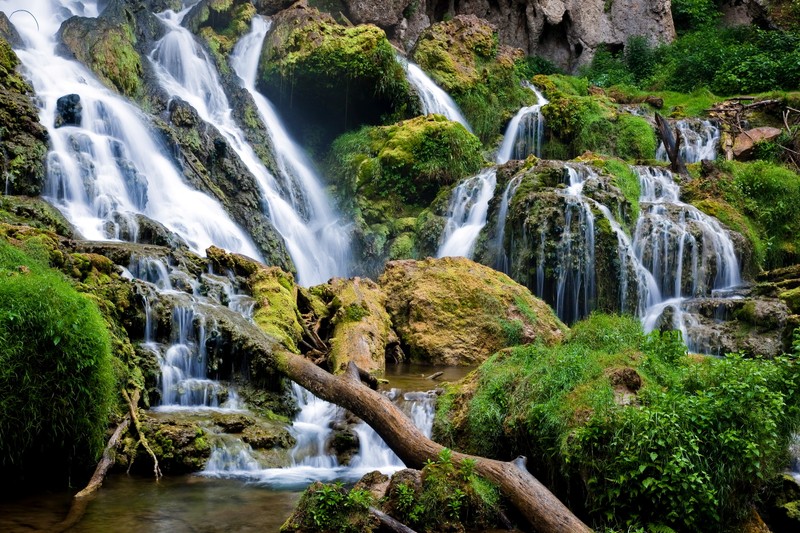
<point x="567" y="32"/>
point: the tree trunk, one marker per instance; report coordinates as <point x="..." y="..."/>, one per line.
<point x="672" y="145"/>
<point x="544" y="512"/>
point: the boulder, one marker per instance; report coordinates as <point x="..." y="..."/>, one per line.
<point x="453" y="311"/>
<point x="746" y="141"/>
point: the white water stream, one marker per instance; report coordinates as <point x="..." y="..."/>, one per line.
<point x="525" y="131"/>
<point x="699" y="140"/>
<point x="466" y="214"/>
<point x="319" y="248"/>
<point x="433" y="98"/>
<point x="110" y="166"/>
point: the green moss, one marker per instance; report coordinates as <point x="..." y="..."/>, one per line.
<point x="276" y="306"/>
<point x="56" y="378"/>
<point x="628" y="182"/>
<point x="222" y="39"/>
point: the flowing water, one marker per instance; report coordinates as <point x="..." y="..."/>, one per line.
<point x="295" y="202"/>
<point x="109" y="166"/>
<point x="699" y="140"/>
<point x="433" y="98"/>
<point x="525" y="132"/>
<point x="466" y="214"/>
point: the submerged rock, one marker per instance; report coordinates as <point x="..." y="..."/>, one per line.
<point x="453" y="311"/>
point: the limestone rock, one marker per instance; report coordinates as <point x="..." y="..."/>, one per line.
<point x="453" y="311"/>
<point x="746" y="141"/>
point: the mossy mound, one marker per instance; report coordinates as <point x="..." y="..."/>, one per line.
<point x="386" y="177"/>
<point x="463" y="56"/>
<point x="578" y="121"/>
<point x="180" y="445"/>
<point x="626" y="428"/>
<point x="362" y="329"/>
<point x="308" y="58"/>
<point x="108" y="48"/>
<point x="23" y="141"/>
<point x="453" y="311"/>
<point x="56" y="377"/>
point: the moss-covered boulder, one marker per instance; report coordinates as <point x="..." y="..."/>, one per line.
<point x="108" y="48"/>
<point x="179" y="443"/>
<point x="362" y="329"/>
<point x="463" y="56"/>
<point x="309" y="59"/>
<point x="453" y="311"/>
<point x="386" y="176"/>
<point x="23" y="141"/>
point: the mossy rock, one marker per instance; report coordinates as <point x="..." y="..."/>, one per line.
<point x="456" y="312"/>
<point x="221" y="23"/>
<point x="463" y="56"/>
<point x="34" y="212"/>
<point x="362" y="329"/>
<point x="180" y="445"/>
<point x="108" y="48"/>
<point x="23" y="140"/>
<point x="276" y="310"/>
<point x="308" y="58"/>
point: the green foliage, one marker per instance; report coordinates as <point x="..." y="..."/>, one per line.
<point x="694" y="14"/>
<point x="661" y="458"/>
<point x="452" y="496"/>
<point x="628" y="182"/>
<point x="332" y="508"/>
<point x="56" y="379"/>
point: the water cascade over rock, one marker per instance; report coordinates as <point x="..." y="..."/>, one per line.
<point x="466" y="214"/>
<point x="110" y="167"/>
<point x="525" y="132"/>
<point x="699" y="141"/>
<point x="294" y="199"/>
<point x="434" y="99"/>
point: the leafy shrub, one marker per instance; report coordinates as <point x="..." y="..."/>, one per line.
<point x="694" y="14"/>
<point x="332" y="508"/>
<point x="56" y="380"/>
<point x="629" y="425"/>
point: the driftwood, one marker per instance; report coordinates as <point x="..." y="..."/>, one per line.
<point x="672" y="143"/>
<point x="435" y="375"/>
<point x="81" y="500"/>
<point x="388" y="523"/>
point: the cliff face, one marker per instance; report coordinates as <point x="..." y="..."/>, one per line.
<point x="566" y="32"/>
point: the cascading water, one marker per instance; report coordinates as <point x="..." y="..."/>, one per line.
<point x="525" y="132"/>
<point x="466" y="214"/>
<point x="699" y="141"/>
<point x="688" y="253"/>
<point x="318" y="247"/>
<point x="108" y="166"/>
<point x="501" y="257"/>
<point x="433" y="98"/>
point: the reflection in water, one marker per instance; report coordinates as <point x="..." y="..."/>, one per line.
<point x="175" y="505"/>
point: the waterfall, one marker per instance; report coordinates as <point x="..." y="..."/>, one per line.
<point x="186" y="71"/>
<point x="501" y="261"/>
<point x="109" y="166"/>
<point x="433" y="98"/>
<point x="687" y="251"/>
<point x="524" y="133"/>
<point x="699" y="140"/>
<point x="466" y="214"/>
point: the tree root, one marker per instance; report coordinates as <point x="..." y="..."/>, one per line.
<point x="132" y="402"/>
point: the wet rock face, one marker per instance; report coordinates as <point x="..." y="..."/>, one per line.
<point x="23" y="140"/>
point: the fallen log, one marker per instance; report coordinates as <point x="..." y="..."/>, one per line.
<point x="389" y="523"/>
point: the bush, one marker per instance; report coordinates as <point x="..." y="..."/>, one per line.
<point x="694" y="14"/>
<point x="56" y="380"/>
<point x="629" y="425"/>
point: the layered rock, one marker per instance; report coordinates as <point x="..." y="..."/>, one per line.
<point x="453" y="311"/>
